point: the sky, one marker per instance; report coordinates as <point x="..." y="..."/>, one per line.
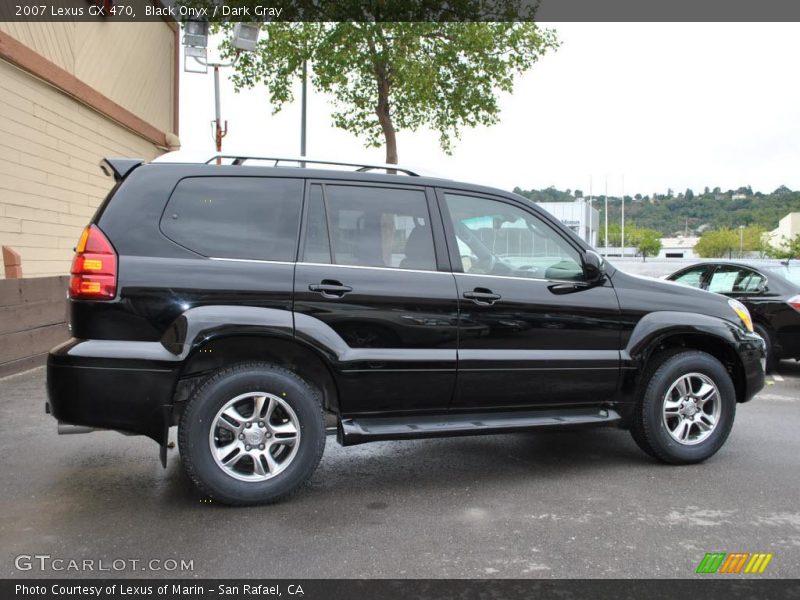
<point x="636" y="107"/>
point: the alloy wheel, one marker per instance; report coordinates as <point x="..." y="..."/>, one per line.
<point x="254" y="436"/>
<point x="691" y="408"/>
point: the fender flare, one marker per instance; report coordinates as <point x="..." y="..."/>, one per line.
<point x="655" y="327"/>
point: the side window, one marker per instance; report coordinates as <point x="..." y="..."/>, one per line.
<point x="496" y="238"/>
<point x="692" y="277"/>
<point x="734" y="280"/>
<point x="379" y="227"/>
<point x="318" y="242"/>
<point x="235" y="217"/>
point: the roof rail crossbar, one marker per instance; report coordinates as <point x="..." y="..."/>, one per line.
<point x="302" y="161"/>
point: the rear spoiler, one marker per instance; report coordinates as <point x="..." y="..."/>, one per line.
<point x="118" y="168"/>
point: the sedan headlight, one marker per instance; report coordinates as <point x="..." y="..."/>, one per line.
<point x="744" y="314"/>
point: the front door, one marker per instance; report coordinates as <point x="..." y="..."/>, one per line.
<point x="373" y="284"/>
<point x="533" y="333"/>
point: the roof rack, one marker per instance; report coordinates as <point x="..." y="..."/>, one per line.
<point x="302" y="161"/>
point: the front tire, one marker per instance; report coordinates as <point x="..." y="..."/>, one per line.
<point x="687" y="409"/>
<point x="252" y="434"/>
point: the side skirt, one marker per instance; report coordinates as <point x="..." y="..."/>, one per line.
<point x="359" y="430"/>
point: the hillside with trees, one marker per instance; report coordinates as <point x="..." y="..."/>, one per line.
<point x="687" y="212"/>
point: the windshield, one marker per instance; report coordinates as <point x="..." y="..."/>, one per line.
<point x="792" y="272"/>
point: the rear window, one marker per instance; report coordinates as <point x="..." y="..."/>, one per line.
<point x="791" y="272"/>
<point x="235" y="217"/>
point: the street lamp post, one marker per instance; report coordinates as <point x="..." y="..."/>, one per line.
<point x="195" y="42"/>
<point x="741" y="241"/>
<point x="303" y="109"/>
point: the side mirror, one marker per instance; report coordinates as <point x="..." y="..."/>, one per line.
<point x="594" y="267"/>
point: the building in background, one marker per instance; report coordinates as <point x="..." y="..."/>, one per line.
<point x="70" y="95"/>
<point x="678" y="247"/>
<point x="788" y="229"/>
<point x="578" y="216"/>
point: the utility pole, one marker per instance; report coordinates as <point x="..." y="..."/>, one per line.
<point x="623" y="216"/>
<point x="606" y="214"/>
<point x="590" y="211"/>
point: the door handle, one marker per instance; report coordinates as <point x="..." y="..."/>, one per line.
<point x="482" y="296"/>
<point x="330" y="288"/>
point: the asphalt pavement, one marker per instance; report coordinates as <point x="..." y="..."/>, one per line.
<point x="578" y="504"/>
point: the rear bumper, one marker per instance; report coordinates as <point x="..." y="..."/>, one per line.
<point x="752" y="352"/>
<point x="126" y="386"/>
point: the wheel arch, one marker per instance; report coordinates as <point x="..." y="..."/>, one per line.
<point x="210" y="355"/>
<point x="658" y="334"/>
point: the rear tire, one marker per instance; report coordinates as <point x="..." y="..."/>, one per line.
<point x="771" y="361"/>
<point x="252" y="434"/>
<point x="687" y="409"/>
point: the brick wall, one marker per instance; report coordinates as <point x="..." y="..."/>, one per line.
<point x="50" y="182"/>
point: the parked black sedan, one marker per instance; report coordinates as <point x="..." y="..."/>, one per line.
<point x="769" y="289"/>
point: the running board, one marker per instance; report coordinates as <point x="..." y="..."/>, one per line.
<point x="359" y="430"/>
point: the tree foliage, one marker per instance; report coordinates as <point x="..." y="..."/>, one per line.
<point x="390" y="76"/>
<point x="717" y="243"/>
<point x="711" y="209"/>
<point x="646" y="241"/>
<point x="726" y="242"/>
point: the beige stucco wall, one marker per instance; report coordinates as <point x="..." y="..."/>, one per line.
<point x="788" y="228"/>
<point x="130" y="63"/>
<point x="50" y="182"/>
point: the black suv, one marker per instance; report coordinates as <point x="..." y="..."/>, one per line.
<point x="243" y="302"/>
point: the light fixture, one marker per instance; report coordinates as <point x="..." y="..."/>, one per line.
<point x="245" y="36"/>
<point x="195" y="46"/>
<point x="195" y="33"/>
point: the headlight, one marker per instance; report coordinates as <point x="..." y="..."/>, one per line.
<point x="744" y="314"/>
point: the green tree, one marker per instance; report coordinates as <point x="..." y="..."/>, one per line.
<point x="647" y="241"/>
<point x="755" y="240"/>
<point x="390" y="76"/>
<point x="718" y="243"/>
<point x="614" y="235"/>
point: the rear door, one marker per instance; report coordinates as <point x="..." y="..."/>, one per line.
<point x="374" y="281"/>
<point x="736" y="281"/>
<point x="533" y="333"/>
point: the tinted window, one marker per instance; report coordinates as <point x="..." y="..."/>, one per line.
<point x="734" y="280"/>
<point x="498" y="238"/>
<point x="235" y="217"/>
<point x="379" y="227"/>
<point x="692" y="277"/>
<point x="318" y="243"/>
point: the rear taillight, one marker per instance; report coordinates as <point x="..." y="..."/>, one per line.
<point x="94" y="268"/>
<point x="794" y="302"/>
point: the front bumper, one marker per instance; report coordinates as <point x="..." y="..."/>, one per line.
<point x="752" y="353"/>
<point x="126" y="386"/>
